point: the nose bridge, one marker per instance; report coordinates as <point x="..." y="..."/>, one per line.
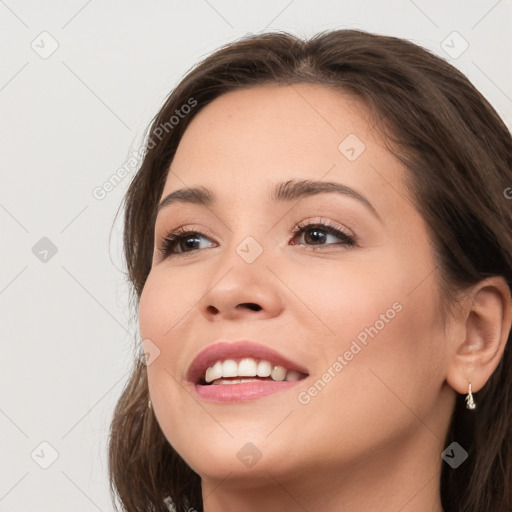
<point x="247" y="236"/>
<point x="241" y="276"/>
<point x="242" y="258"/>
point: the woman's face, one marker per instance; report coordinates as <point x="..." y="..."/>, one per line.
<point x="359" y="317"/>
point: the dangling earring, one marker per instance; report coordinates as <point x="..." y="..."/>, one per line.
<point x="470" y="403"/>
<point x="149" y="404"/>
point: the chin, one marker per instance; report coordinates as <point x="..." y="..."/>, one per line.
<point x="215" y="454"/>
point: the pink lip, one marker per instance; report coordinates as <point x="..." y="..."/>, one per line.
<point x="242" y="391"/>
<point x="223" y="350"/>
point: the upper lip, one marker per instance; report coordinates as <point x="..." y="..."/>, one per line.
<point x="222" y="350"/>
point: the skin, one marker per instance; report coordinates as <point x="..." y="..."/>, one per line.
<point x="372" y="438"/>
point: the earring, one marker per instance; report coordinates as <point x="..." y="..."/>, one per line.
<point x="470" y="403"/>
<point x="149" y="404"/>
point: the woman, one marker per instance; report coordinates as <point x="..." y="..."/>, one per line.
<point x="319" y="245"/>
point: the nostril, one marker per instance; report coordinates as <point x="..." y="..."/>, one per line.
<point x="251" y="305"/>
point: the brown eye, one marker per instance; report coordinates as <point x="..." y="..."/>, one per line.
<point x="318" y="233"/>
<point x="185" y="241"/>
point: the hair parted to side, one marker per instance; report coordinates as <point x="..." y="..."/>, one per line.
<point x="459" y="155"/>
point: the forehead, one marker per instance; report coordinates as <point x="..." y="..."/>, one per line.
<point x="284" y="120"/>
<point x="247" y="139"/>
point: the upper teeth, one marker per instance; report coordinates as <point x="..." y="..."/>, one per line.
<point x="249" y="367"/>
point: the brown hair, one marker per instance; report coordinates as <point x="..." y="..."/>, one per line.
<point x="459" y="154"/>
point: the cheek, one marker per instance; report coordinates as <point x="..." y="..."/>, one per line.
<point x="375" y="391"/>
<point x="381" y="320"/>
<point x="339" y="302"/>
<point x="165" y="299"/>
<point x="166" y="309"/>
<point x="390" y="352"/>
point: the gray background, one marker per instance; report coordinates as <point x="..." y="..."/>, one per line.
<point x="69" y="120"/>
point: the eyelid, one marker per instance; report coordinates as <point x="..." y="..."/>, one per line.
<point x="348" y="239"/>
<point x="182" y="230"/>
<point x="185" y="227"/>
<point x="326" y="223"/>
<point x="298" y="225"/>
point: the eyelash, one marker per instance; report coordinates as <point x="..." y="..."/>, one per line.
<point x="172" y="238"/>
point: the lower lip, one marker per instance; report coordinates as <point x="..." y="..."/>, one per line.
<point x="243" y="391"/>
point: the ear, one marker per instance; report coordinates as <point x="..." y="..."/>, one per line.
<point x="482" y="332"/>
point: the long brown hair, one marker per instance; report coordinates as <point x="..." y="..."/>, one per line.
<point x="459" y="154"/>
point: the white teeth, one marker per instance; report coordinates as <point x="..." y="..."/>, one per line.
<point x="247" y="367"/>
<point x="233" y="381"/>
<point x="264" y="369"/>
<point x="214" y="372"/>
<point x="229" y="368"/>
<point x="278" y="373"/>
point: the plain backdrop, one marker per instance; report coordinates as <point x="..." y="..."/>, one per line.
<point x="79" y="82"/>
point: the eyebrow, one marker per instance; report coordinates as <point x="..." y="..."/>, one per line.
<point x="282" y="192"/>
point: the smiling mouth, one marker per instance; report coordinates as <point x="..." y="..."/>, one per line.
<point x="247" y="369"/>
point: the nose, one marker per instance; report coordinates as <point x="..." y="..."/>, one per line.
<point x="241" y="290"/>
